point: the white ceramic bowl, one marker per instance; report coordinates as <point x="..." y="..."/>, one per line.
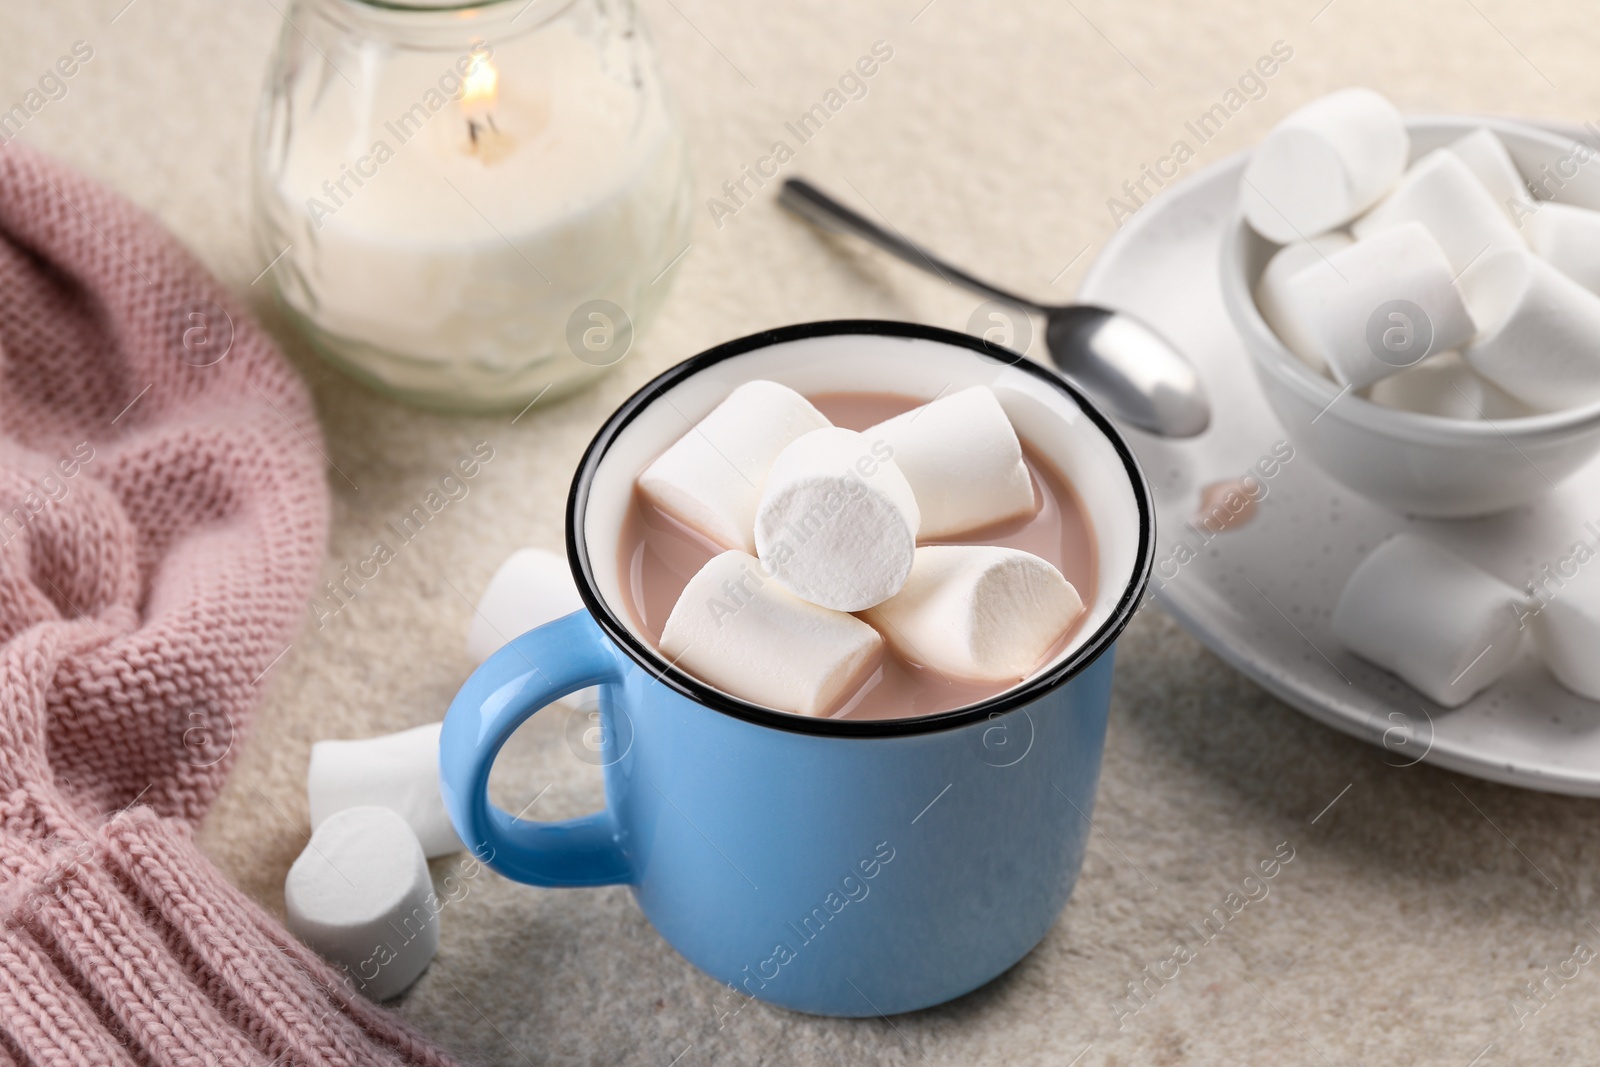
<point x="1421" y="464"/>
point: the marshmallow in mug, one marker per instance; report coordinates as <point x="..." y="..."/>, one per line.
<point x="837" y="524"/>
<point x="361" y="897"/>
<point x="1427" y="615"/>
<point x="1288" y="261"/>
<point x="1486" y="157"/>
<point x="739" y="630"/>
<point x="978" y="612"/>
<point x="1443" y="194"/>
<point x="963" y="460"/>
<point x="397" y="771"/>
<point x="1541" y="331"/>
<point x="1339" y="304"/>
<point x="1323" y="165"/>
<point x="1568" y="238"/>
<point x="711" y="477"/>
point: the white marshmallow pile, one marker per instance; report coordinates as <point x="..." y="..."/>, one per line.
<point x="834" y="520"/>
<point x="360" y="895"/>
<point x="1451" y="629"/>
<point x="1508" y="286"/>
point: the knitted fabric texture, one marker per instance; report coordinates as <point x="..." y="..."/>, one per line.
<point x="162" y="517"/>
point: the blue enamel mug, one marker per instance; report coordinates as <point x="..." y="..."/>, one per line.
<point x="832" y="866"/>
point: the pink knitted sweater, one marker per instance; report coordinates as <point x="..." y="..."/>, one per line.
<point x="162" y="515"/>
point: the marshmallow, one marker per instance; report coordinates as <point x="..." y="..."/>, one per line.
<point x="1345" y="305"/>
<point x="399" y="772"/>
<point x="1566" y="629"/>
<point x="1442" y="193"/>
<point x="1323" y="165"/>
<point x="963" y="461"/>
<point x="360" y="895"/>
<point x="1541" y="331"/>
<point x="711" y="477"/>
<point x="1443" y="625"/>
<point x="977" y="612"/>
<point x="532" y="587"/>
<point x="1445" y="386"/>
<point x="1486" y="157"/>
<point x="838" y="522"/>
<point x="742" y="632"/>
<point x="1285" y="264"/>
<point x="1569" y="238"/>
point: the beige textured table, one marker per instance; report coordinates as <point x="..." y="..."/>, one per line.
<point x="1416" y="909"/>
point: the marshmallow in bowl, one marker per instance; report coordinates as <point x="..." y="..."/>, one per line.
<point x="1323" y="165"/>
<point x="711" y="477"/>
<point x="1441" y="192"/>
<point x="1541" y="331"/>
<point x="1440" y="623"/>
<point x="1445" y="386"/>
<point x="977" y="612"/>
<point x="1568" y="238"/>
<point x="1486" y="157"/>
<point x="1285" y="264"/>
<point x="737" y="629"/>
<point x="837" y="523"/>
<point x="963" y="460"/>
<point x="1338" y="304"/>
<point x="1566" y="630"/>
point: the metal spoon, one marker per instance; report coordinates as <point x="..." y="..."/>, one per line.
<point x="1124" y="363"/>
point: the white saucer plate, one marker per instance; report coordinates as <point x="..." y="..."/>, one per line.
<point x="1260" y="595"/>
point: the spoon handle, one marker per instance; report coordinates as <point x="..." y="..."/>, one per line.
<point x="820" y="209"/>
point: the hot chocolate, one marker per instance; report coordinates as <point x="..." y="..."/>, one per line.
<point x="659" y="554"/>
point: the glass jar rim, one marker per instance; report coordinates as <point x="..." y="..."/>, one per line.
<point x="444" y="18"/>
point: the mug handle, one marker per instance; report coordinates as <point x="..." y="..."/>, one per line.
<point x="537" y="668"/>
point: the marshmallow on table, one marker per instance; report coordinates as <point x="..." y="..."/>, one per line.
<point x="1568" y="238"/>
<point x="963" y="460"/>
<point x="1541" y="331"/>
<point x="532" y="587"/>
<point x="739" y="630"/>
<point x="837" y="524"/>
<point x="1288" y="261"/>
<point x="361" y="897"/>
<point x="1566" y="630"/>
<point x="978" y="612"/>
<point x="1443" y="194"/>
<point x="1323" y="165"/>
<point x="399" y="772"/>
<point x="1337" y="304"/>
<point x="711" y="477"/>
<point x="1447" y="387"/>
<point x="1440" y="623"/>
<point x="1486" y="157"/>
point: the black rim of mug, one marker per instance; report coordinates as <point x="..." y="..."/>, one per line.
<point x="703" y="694"/>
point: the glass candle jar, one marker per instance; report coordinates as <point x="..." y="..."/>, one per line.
<point x="469" y="207"/>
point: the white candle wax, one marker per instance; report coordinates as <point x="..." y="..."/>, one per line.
<point x="454" y="264"/>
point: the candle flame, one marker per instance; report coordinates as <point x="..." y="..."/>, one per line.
<point x="481" y="86"/>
